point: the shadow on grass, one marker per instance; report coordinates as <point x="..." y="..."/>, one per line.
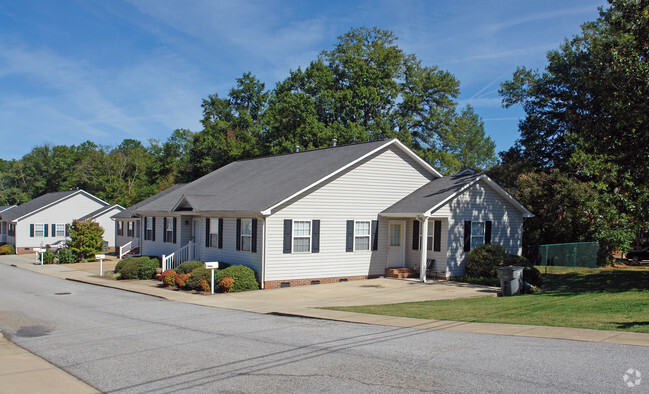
<point x="632" y="324"/>
<point x="604" y="281"/>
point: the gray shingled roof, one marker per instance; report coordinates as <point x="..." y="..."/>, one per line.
<point x="5" y="207"/>
<point x="35" y="204"/>
<point x="258" y="184"/>
<point x="130" y="211"/>
<point x="431" y="194"/>
<point x="100" y="211"/>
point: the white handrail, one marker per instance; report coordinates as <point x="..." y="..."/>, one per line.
<point x="127" y="247"/>
<point x="172" y="261"/>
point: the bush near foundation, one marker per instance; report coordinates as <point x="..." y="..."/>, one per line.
<point x="244" y="278"/>
<point x="137" y="267"/>
<point x="188" y="266"/>
<point x="7" y="249"/>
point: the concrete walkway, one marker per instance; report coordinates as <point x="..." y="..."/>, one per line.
<point x="302" y="301"/>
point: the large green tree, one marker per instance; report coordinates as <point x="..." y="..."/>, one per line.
<point x="587" y="113"/>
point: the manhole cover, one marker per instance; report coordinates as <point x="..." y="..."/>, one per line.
<point x="33" y="331"/>
<point x="64" y="293"/>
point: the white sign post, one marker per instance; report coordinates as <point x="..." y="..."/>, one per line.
<point x="40" y="251"/>
<point x="101" y="258"/>
<point x="212" y="265"/>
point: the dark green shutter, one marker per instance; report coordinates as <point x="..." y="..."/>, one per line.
<point x="415" y="234"/>
<point x="315" y="236"/>
<point x="238" y="234"/>
<point x="153" y="229"/>
<point x="437" y="236"/>
<point x="207" y="232"/>
<point x="220" y="233"/>
<point x="349" y="244"/>
<point x="174" y="230"/>
<point x="164" y="229"/>
<point x="487" y="232"/>
<point x="253" y="246"/>
<point x="54" y="230"/>
<point x="45" y="226"/>
<point x="288" y="229"/>
<point x="467" y="235"/>
<point x="375" y="235"/>
<point x="31" y="230"/>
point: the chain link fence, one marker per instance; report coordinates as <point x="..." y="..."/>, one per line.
<point x="574" y="254"/>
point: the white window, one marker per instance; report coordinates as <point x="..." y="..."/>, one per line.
<point x="149" y="228"/>
<point x="214" y="233"/>
<point x="301" y="236"/>
<point x="39" y="230"/>
<point x="129" y="229"/>
<point x="60" y="230"/>
<point x="362" y="235"/>
<point x="477" y="234"/>
<point x="170" y="229"/>
<point x="429" y="245"/>
<point x="246" y="234"/>
<point x="120" y="227"/>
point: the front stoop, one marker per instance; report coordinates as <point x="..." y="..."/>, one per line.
<point x="400" y="273"/>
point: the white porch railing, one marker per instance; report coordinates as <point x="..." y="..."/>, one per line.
<point x="128" y="247"/>
<point x="172" y="261"/>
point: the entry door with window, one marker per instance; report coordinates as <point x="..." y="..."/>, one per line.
<point x="396" y="243"/>
<point x="196" y="237"/>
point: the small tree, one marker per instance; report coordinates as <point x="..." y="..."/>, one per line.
<point x="86" y="238"/>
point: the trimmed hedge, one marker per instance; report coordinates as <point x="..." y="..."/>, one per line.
<point x="137" y="267"/>
<point x="483" y="261"/>
<point x="244" y="278"/>
<point x="188" y="266"/>
<point x="198" y="275"/>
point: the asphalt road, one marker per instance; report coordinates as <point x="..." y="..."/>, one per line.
<point x="124" y="342"/>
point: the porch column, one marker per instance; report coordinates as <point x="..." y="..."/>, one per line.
<point x="424" y="249"/>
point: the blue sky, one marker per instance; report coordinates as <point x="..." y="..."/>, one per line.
<point x="104" y="71"/>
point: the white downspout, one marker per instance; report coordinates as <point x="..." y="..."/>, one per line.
<point x="263" y="252"/>
<point x="424" y="248"/>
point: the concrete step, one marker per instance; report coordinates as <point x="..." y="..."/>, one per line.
<point x="400" y="273"/>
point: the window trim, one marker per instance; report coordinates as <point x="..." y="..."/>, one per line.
<point x="42" y="230"/>
<point x="473" y="245"/>
<point x="56" y="228"/>
<point x="294" y="237"/>
<point x="214" y="232"/>
<point x="242" y="235"/>
<point x="130" y="229"/>
<point x="169" y="233"/>
<point x="148" y="234"/>
<point x="368" y="236"/>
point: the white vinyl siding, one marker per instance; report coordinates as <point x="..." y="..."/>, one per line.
<point x="358" y="194"/>
<point x="481" y="203"/>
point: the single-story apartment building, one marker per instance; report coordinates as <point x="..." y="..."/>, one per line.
<point x="45" y="219"/>
<point x="329" y="215"/>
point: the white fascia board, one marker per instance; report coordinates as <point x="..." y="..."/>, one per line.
<point x="417" y="158"/>
<point x="400" y="215"/>
<point x="494" y="185"/>
<point x="182" y="198"/>
<point x="8" y="208"/>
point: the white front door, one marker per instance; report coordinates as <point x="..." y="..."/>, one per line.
<point x="196" y="237"/>
<point x="396" y="243"/>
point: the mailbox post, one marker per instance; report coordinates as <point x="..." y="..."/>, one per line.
<point x="101" y="258"/>
<point x="39" y="253"/>
<point x="212" y="265"/>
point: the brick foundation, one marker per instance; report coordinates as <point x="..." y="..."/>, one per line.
<point x="27" y="250"/>
<point x="276" y="284"/>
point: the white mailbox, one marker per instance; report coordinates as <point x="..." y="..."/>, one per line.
<point x="212" y="265"/>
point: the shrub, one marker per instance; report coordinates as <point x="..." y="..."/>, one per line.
<point x="244" y="277"/>
<point x="7" y="249"/>
<point x="532" y="275"/>
<point x="198" y="275"/>
<point x="86" y="239"/>
<point x="484" y="260"/>
<point x="181" y="279"/>
<point x="226" y="284"/>
<point x="205" y="286"/>
<point x="188" y="266"/>
<point x="169" y="278"/>
<point x="137" y="267"/>
<point x="48" y="257"/>
<point x="66" y="256"/>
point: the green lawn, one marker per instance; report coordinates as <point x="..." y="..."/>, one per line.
<point x="603" y="299"/>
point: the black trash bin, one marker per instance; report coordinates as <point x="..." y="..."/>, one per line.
<point x="511" y="280"/>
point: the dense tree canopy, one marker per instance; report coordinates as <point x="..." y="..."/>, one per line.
<point x="587" y="115"/>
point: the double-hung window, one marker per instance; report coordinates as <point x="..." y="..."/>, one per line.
<point x="214" y="233"/>
<point x="60" y="230"/>
<point x="120" y="227"/>
<point x="169" y="231"/>
<point x="362" y="235"/>
<point x="129" y="228"/>
<point x="149" y="228"/>
<point x="301" y="236"/>
<point x="39" y="230"/>
<point x="246" y="234"/>
<point x="477" y="234"/>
